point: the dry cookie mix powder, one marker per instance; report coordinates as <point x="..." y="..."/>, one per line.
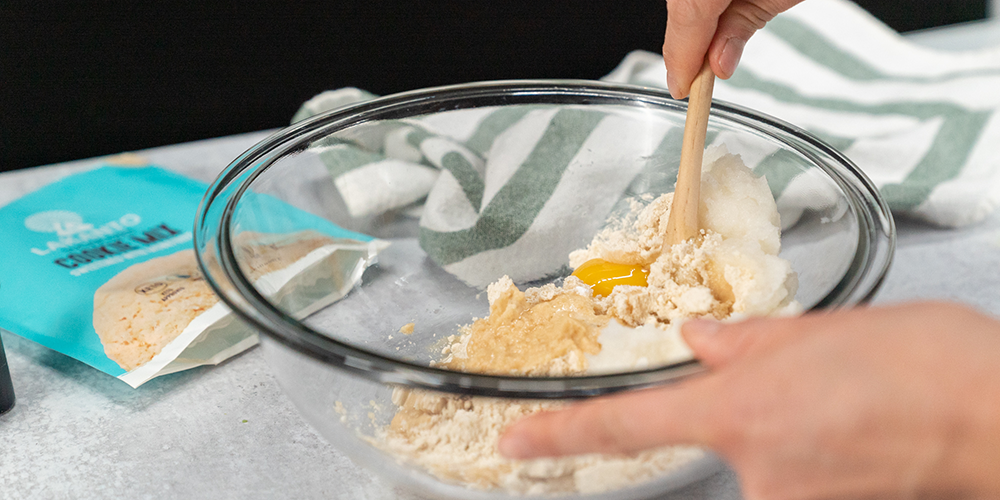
<point x="731" y="270"/>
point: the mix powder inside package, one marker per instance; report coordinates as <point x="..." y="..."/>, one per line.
<point x="101" y="266"/>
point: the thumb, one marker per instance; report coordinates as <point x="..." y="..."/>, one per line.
<point x="621" y="423"/>
<point x="717" y="344"/>
<point x="687" y="39"/>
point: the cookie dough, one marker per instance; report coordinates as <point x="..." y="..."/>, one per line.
<point x="732" y="269"/>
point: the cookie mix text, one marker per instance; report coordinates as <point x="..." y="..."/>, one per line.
<point x="117" y="246"/>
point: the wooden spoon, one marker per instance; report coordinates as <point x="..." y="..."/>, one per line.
<point x="683" y="222"/>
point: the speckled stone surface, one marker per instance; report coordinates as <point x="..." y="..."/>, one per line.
<point x="213" y="432"/>
<point x="229" y="432"/>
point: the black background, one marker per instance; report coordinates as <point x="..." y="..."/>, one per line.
<point x="81" y="79"/>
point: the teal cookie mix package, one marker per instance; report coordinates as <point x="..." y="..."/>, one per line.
<point x="100" y="266"/>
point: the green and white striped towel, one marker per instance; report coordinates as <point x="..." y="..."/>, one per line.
<point x="494" y="185"/>
<point x="923" y="125"/>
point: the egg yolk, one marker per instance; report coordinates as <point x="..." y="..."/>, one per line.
<point x="603" y="276"/>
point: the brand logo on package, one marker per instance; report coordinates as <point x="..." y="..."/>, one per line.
<point x="72" y="230"/>
<point x="83" y="247"/>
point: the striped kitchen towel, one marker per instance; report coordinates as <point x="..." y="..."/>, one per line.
<point x="493" y="186"/>
<point x="924" y="126"/>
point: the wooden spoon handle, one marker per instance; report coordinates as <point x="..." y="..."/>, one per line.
<point x="683" y="222"/>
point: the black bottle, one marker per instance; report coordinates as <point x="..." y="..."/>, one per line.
<point x="6" y="387"/>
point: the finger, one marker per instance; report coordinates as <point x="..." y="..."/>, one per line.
<point x="691" y="25"/>
<point x="620" y="423"/>
<point x="717" y="344"/>
<point x="736" y="25"/>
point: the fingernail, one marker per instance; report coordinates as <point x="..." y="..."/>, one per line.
<point x="730" y="57"/>
<point x="514" y="446"/>
<point x="702" y="327"/>
<point x="672" y="85"/>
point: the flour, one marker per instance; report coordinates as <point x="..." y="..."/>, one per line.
<point x="732" y="269"/>
<point x="455" y="438"/>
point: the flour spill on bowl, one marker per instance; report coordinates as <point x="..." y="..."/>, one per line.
<point x="732" y="270"/>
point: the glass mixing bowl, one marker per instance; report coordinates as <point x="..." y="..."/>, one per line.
<point x="340" y="360"/>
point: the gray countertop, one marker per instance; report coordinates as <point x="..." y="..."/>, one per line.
<point x="212" y="432"/>
<point x="229" y="432"/>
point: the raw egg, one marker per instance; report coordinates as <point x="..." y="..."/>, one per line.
<point x="603" y="276"/>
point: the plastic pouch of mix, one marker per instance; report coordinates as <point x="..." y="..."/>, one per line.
<point x="112" y="280"/>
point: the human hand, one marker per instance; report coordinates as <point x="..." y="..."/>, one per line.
<point x="888" y="402"/>
<point x="718" y="29"/>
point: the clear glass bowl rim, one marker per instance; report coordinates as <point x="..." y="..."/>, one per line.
<point x="859" y="284"/>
